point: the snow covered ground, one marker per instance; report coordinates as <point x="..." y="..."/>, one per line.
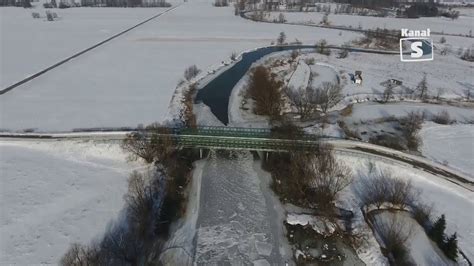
<point x="29" y="45"/>
<point x="462" y="25"/>
<point x="446" y="72"/>
<point x="445" y="197"/>
<point x="372" y="111"/>
<point x="131" y="79"/>
<point x="421" y="249"/>
<point x="451" y="144"/>
<point x="54" y="193"/>
<point x="238" y="221"/>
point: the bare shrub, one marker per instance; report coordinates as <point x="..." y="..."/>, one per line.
<point x="80" y="255"/>
<point x="394" y="142"/>
<point x="139" y="199"/>
<point x="187" y="114"/>
<point x="120" y="246"/>
<point x="411" y="125"/>
<point x="388" y="92"/>
<point x="264" y="89"/>
<point x="351" y="134"/>
<point x="422" y="214"/>
<point x="191" y="72"/>
<point x="381" y="187"/>
<point x="442" y="118"/>
<point x="343" y="53"/>
<point x="395" y="234"/>
<point x="149" y="144"/>
<point x="322" y="47"/>
<point x="347" y="111"/>
<point x="422" y="88"/>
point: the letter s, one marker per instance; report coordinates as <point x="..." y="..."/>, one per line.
<point x="416" y="48"/>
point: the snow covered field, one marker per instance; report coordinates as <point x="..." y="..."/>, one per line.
<point x="372" y="111"/>
<point x="452" y="144"/>
<point x="131" y="79"/>
<point x="448" y="72"/>
<point x="54" y="193"/>
<point x="29" y="45"/>
<point x="462" y="25"/>
<point x="445" y="197"/>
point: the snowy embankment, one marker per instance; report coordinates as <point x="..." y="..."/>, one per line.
<point x="147" y="64"/>
<point x="452" y="145"/>
<point x="446" y="198"/>
<point x="55" y="193"/>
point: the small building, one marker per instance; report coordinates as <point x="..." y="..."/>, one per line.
<point x="358" y="77"/>
<point x="396" y="82"/>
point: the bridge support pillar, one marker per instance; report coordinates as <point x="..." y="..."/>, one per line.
<point x="200" y="153"/>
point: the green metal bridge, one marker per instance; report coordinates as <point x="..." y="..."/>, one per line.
<point x="231" y="138"/>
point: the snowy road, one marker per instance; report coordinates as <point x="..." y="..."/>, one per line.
<point x="237" y="222"/>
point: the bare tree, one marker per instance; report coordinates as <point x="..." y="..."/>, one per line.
<point x="329" y="177"/>
<point x="395" y="233"/>
<point x="191" y="72"/>
<point x="264" y="89"/>
<point x="439" y="92"/>
<point x="411" y="124"/>
<point x="281" y="18"/>
<point x="380" y="187"/>
<point x="151" y="143"/>
<point x="325" y="19"/>
<point x="422" y="88"/>
<point x="467" y="94"/>
<point x="303" y="100"/>
<point x="328" y="95"/>
<point x="442" y="118"/>
<point x="388" y="92"/>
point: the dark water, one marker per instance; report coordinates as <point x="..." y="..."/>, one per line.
<point x="216" y="93"/>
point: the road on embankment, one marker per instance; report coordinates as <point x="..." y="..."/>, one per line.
<point x="341" y="145"/>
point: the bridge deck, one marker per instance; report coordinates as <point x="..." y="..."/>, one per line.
<point x="229" y="138"/>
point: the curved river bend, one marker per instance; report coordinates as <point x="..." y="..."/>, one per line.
<point x="216" y="93"/>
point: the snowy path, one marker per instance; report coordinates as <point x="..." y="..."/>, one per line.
<point x="236" y="223"/>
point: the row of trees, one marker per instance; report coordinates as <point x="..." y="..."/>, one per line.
<point x="312" y="179"/>
<point x="309" y="100"/>
<point x="125" y="3"/>
<point x="153" y="201"/>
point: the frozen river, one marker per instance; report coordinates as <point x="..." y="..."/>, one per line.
<point x="239" y="221"/>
